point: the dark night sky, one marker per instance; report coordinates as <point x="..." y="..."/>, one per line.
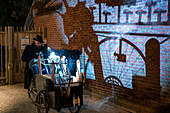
<point x="14" y="12"/>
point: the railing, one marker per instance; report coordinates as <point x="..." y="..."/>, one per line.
<point x="11" y="48"/>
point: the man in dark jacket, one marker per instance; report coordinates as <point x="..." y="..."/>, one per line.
<point x="31" y="52"/>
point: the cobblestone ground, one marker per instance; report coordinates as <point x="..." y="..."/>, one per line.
<point x="14" y="99"/>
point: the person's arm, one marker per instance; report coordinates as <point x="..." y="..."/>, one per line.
<point x="45" y="51"/>
<point x="25" y="55"/>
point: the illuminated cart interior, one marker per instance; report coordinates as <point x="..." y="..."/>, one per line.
<point x="58" y="82"/>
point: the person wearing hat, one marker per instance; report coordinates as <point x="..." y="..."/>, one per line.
<point x="31" y="52"/>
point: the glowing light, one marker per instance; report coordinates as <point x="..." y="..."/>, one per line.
<point x="49" y="49"/>
<point x="54" y="57"/>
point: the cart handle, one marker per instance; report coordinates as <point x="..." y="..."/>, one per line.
<point x="66" y="83"/>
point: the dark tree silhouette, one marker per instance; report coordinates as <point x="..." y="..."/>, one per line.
<point x="14" y="12"/>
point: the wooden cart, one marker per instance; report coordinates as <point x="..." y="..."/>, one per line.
<point x="51" y="91"/>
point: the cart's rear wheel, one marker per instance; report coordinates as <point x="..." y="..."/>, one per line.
<point x="32" y="91"/>
<point x="75" y="109"/>
<point x="42" y="103"/>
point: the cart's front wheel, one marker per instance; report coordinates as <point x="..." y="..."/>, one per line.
<point x="42" y="103"/>
<point x="75" y="109"/>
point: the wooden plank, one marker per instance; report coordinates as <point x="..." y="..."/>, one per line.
<point x="21" y="32"/>
<point x="18" y="53"/>
<point x="53" y="73"/>
<point x="37" y="5"/>
<point x="12" y="54"/>
<point x="10" y="49"/>
<point x="47" y="10"/>
<point x="49" y="3"/>
<point x="6" y="54"/>
<point x="39" y="66"/>
<point x="29" y="37"/>
<point x="2" y="78"/>
<point x="1" y="53"/>
<point x="15" y="53"/>
<point x="47" y="76"/>
<point x="2" y="32"/>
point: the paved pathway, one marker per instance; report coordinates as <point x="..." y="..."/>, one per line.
<point x="14" y="99"/>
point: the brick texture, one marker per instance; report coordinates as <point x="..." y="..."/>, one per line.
<point x="146" y="72"/>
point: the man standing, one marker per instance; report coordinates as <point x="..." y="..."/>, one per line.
<point x="31" y="52"/>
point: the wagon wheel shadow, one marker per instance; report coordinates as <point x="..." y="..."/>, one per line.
<point x="113" y="80"/>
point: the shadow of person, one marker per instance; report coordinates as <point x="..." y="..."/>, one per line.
<point x="77" y="22"/>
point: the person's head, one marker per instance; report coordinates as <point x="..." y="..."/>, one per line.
<point x="38" y="41"/>
<point x="38" y="44"/>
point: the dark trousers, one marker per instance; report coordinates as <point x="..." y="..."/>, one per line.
<point x="28" y="75"/>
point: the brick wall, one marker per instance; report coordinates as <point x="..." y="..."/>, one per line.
<point x="55" y="33"/>
<point x="136" y="26"/>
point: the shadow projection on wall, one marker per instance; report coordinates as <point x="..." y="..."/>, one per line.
<point x="78" y="28"/>
<point x="112" y="60"/>
<point x="129" y="70"/>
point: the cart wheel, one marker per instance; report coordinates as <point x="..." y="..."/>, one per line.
<point x="75" y="109"/>
<point x="32" y="91"/>
<point x="42" y="103"/>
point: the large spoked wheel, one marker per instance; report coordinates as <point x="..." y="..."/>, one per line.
<point x="75" y="109"/>
<point x="32" y="91"/>
<point x="42" y="103"/>
<point x="113" y="80"/>
<point x="123" y="59"/>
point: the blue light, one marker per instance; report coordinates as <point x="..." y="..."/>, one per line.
<point x="54" y="57"/>
<point x="49" y="49"/>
